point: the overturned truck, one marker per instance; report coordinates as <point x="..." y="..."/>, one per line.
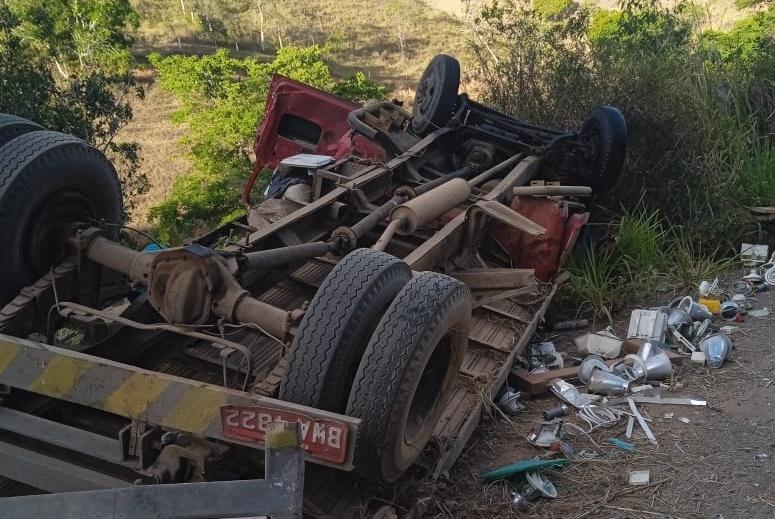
<point x="397" y="265"/>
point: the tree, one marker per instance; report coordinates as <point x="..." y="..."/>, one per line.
<point x="401" y="19"/>
<point x="89" y="34"/>
<point x="87" y="101"/>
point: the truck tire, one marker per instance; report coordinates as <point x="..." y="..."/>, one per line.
<point x="12" y="126"/>
<point x="436" y="96"/>
<point x="605" y="132"/>
<point x="337" y="326"/>
<point x="407" y="373"/>
<point x="48" y="182"/>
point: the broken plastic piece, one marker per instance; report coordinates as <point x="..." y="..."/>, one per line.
<point x="603" y="343"/>
<point x="639" y="477"/>
<point x="521" y="467"/>
<point x="698" y="357"/>
<point x="621" y="444"/>
<point x="649" y="325"/>
<point x="642" y="422"/>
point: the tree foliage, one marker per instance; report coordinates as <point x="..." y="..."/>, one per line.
<point x="87" y="34"/>
<point x="223" y="102"/>
<point x="88" y="101"/>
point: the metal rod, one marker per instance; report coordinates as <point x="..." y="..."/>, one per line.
<point x="464" y="172"/>
<point x="552" y="191"/>
<point x="213" y="339"/>
<point x="279" y="495"/>
<point x="282" y="256"/>
<point x="387" y="235"/>
<point x="488" y="174"/>
<point x="371" y="221"/>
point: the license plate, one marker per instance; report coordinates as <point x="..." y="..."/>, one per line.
<point x="321" y="438"/>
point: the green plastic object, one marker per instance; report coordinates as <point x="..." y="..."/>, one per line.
<point x="531" y="465"/>
<point x="625" y="446"/>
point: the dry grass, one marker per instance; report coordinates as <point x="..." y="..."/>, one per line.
<point x="163" y="158"/>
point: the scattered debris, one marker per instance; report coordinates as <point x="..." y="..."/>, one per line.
<point x="570" y="325"/>
<point x="510" y="402"/>
<point x="545" y="433"/>
<point x="698" y="357"/>
<point x="729" y="330"/>
<point x="760" y="313"/>
<point x="603" y="343"/>
<point x="567" y="392"/>
<point x="590" y="364"/>
<point x="556" y="412"/>
<point x="642" y="422"/>
<point x="683" y="419"/>
<point x="621" y="444"/>
<point x="608" y="383"/>
<point x="521" y="467"/>
<point x="639" y="477"/>
<point x="649" y="325"/>
<point x="716" y="348"/>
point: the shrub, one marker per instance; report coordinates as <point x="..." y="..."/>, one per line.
<point x="551" y="8"/>
<point x="699" y="107"/>
<point x="223" y="102"/>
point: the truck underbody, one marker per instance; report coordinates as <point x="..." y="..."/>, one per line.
<point x="121" y="367"/>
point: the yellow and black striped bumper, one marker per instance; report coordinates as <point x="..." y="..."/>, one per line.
<point x="155" y="398"/>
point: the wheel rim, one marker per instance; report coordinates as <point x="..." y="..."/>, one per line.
<point x="427" y="395"/>
<point x="425" y="94"/>
<point x="50" y="223"/>
<point x="592" y="141"/>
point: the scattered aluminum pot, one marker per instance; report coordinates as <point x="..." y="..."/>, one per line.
<point x="696" y="311"/>
<point x="633" y="367"/>
<point x="647" y="349"/>
<point x="716" y="348"/>
<point x="607" y="383"/>
<point x="590" y="364"/>
<point x="658" y="367"/>
<point x="729" y="310"/>
<point x="680" y="320"/>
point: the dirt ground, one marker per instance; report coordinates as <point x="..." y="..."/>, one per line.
<point x="721" y="464"/>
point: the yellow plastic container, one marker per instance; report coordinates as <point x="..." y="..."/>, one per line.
<point x="714" y="305"/>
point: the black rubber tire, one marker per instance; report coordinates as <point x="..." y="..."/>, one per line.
<point x="337" y="326"/>
<point x="436" y="96"/>
<point x="407" y="373"/>
<point x="12" y="126"/>
<point x="606" y="130"/>
<point x="48" y="180"/>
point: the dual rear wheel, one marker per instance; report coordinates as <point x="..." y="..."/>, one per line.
<point x="384" y="346"/>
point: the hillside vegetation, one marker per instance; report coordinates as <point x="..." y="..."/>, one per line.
<point x="390" y="40"/>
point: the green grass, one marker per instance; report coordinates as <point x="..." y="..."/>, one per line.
<point x="628" y="264"/>
<point x="596" y="281"/>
